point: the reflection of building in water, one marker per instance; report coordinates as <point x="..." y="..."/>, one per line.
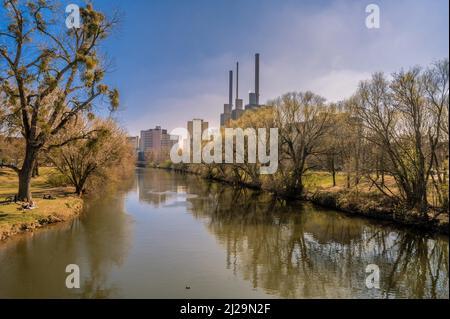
<point x="181" y="189"/>
<point x="154" y="189"/>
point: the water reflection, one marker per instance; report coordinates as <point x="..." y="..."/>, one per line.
<point x="33" y="266"/>
<point x="304" y="252"/>
<point x="162" y="231"/>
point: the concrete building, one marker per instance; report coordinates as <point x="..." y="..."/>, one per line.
<point x="156" y="139"/>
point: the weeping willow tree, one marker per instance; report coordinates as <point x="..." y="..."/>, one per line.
<point x="49" y="75"/>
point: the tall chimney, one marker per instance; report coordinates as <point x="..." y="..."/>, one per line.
<point x="230" y="98"/>
<point x="257" y="78"/>
<point x="237" y="80"/>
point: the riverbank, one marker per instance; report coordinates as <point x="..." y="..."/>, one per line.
<point x="345" y="202"/>
<point x="61" y="206"/>
<point x="361" y="201"/>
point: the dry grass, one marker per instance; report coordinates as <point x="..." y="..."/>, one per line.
<point x="39" y="185"/>
<point x="319" y="180"/>
<point x="13" y="217"/>
<point x="323" y="181"/>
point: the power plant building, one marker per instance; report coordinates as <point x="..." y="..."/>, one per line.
<point x="233" y="114"/>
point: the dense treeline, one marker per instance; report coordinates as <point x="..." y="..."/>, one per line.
<point x="389" y="141"/>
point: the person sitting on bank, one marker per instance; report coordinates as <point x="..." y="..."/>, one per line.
<point x="29" y="205"/>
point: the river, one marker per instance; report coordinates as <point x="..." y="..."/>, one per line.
<point x="168" y="235"/>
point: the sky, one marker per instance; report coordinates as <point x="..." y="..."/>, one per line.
<point x="170" y="58"/>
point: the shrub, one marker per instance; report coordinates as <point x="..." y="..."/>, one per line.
<point x="56" y="179"/>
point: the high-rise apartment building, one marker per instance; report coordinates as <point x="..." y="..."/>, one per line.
<point x="155" y="139"/>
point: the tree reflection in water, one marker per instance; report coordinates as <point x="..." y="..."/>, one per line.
<point x="295" y="251"/>
<point x="300" y="251"/>
<point x="97" y="243"/>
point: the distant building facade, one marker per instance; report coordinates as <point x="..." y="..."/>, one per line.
<point x="156" y="142"/>
<point x="155" y="139"/>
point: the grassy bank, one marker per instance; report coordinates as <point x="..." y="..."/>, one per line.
<point x="14" y="219"/>
<point x="362" y="199"/>
<point x="376" y="207"/>
<point x="365" y="199"/>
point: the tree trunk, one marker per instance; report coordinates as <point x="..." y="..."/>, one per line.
<point x="421" y="200"/>
<point x="79" y="191"/>
<point x="377" y="169"/>
<point x="294" y="185"/>
<point x="26" y="173"/>
<point x="333" y="171"/>
<point x="36" y="169"/>
<point x="348" y="179"/>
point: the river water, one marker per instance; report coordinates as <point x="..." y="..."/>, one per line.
<point x="168" y="235"/>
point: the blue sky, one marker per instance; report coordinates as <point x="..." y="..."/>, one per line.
<point x="171" y="57"/>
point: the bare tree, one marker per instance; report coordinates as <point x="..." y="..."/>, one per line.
<point x="404" y="118"/>
<point x="436" y="87"/>
<point x="302" y="120"/>
<point x="82" y="159"/>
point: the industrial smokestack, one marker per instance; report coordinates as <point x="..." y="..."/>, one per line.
<point x="257" y="78"/>
<point x="237" y="80"/>
<point x="230" y="98"/>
